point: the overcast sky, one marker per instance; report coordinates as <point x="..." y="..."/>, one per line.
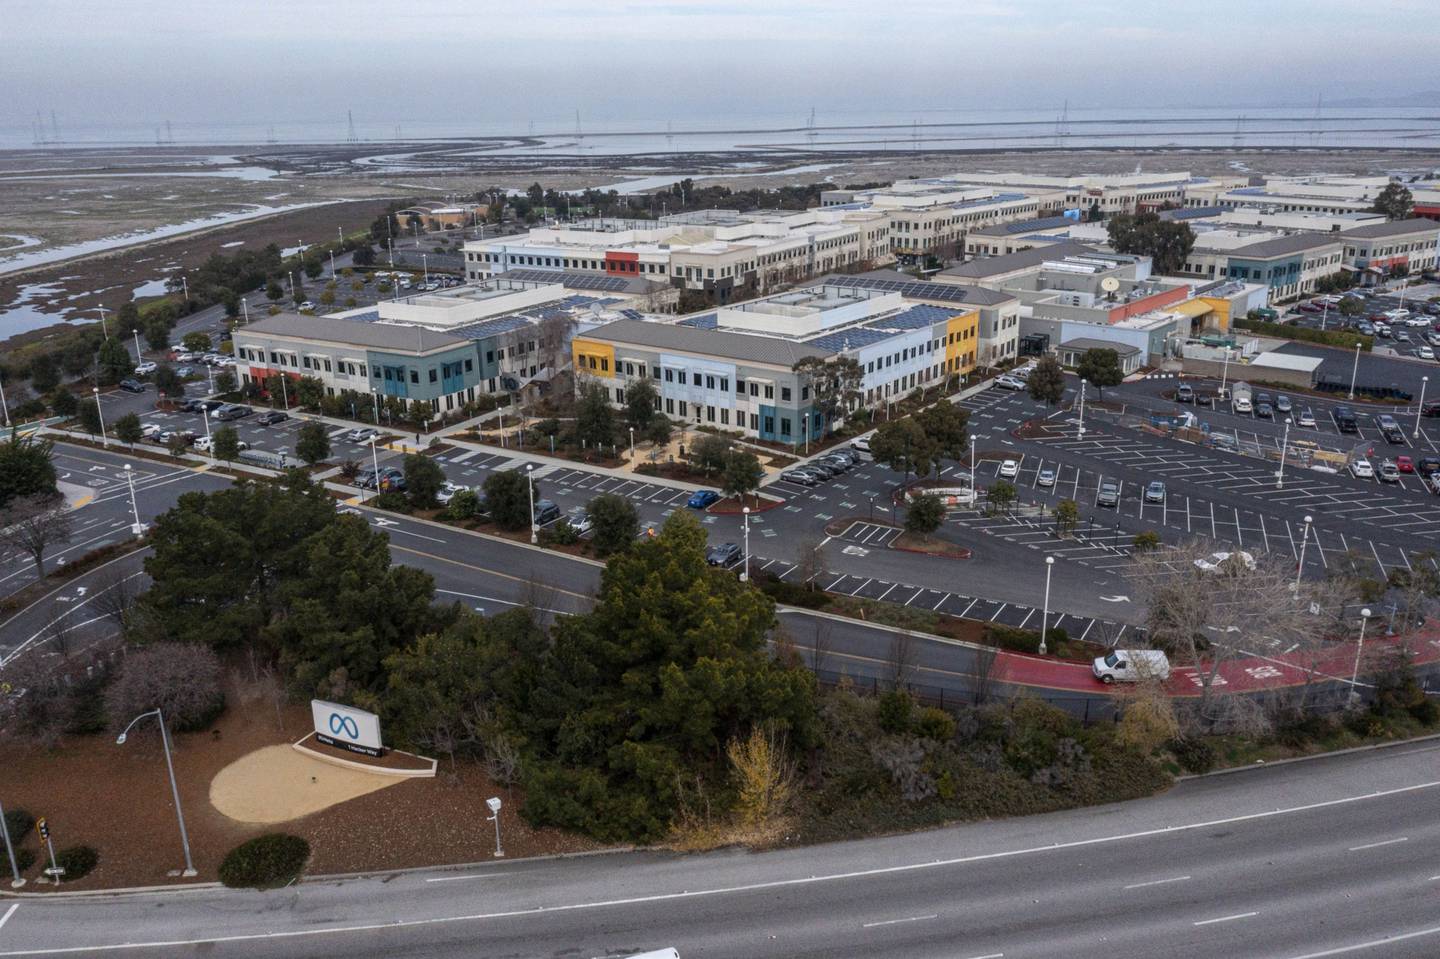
<point x="511" y="61"/>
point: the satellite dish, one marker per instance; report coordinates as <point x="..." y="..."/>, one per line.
<point x="1109" y="284"/>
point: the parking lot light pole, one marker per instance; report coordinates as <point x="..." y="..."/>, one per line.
<point x="19" y="880"/>
<point x="632" y="446"/>
<point x="745" y="570"/>
<point x="189" y="869"/>
<point x="1359" y="645"/>
<point x="1304" y="537"/>
<point x="1354" y="371"/>
<point x="3" y="404"/>
<point x="139" y="357"/>
<point x="209" y="440"/>
<point x="137" y="527"/>
<point x="99" y="412"/>
<point x="805" y="421"/>
<point x="1045" y="613"/>
<point x="1284" y="450"/>
<point x="425" y="266"/>
<point x="1081" y="435"/>
<point x="375" y="461"/>
<point x="1419" y="410"/>
<point x="1224" y="370"/>
<point x="530" y="485"/>
<point x="972" y="464"/>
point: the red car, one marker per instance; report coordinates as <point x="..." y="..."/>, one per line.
<point x="1405" y="464"/>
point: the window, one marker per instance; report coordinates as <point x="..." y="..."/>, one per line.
<point x="680" y="377"/>
<point x="769" y="392"/>
<point x="683" y="408"/>
<point x="619" y="394"/>
<point x="710" y="413"/>
<point x="670" y="407"/>
<point x="655" y="372"/>
<point x="724" y="416"/>
<point x="754" y="389"/>
<point x="669" y="376"/>
<point x="770" y="425"/>
<point x="784" y="426"/>
<point x="725" y="383"/>
<point x="415" y="377"/>
<point x="709" y="382"/>
<point x="754" y="422"/>
<point x="433" y="377"/>
<point x="469" y="366"/>
<point x="377" y="373"/>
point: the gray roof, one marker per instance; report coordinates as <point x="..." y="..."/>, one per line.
<point x="718" y="343"/>
<point x="1379" y="231"/>
<point x="1286" y="245"/>
<point x="328" y="329"/>
<point x="1018" y="227"/>
<point x="1087" y="343"/>
<point x="1023" y="259"/>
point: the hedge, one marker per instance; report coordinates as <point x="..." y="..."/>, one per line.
<point x="265" y="862"/>
<point x="18" y="823"/>
<point x="77" y="861"/>
<point x="1345" y="339"/>
<point x="1023" y="640"/>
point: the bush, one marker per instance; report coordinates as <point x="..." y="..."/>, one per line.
<point x="936" y="724"/>
<point x="181" y="679"/>
<point x="77" y="861"/>
<point x="1146" y="541"/>
<point x="392" y="500"/>
<point x="1023" y="640"/>
<point x="24" y="859"/>
<point x="18" y="822"/>
<point x="1345" y="339"/>
<point x="265" y="862"/>
<point x="896" y="711"/>
<point x="1194" y="755"/>
<point x="563" y="534"/>
<point x="789" y="594"/>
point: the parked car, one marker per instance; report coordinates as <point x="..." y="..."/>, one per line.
<point x="1108" y="494"/>
<point x="579" y="519"/>
<point x="1362" y="469"/>
<point x="799" y="476"/>
<point x="447" y="492"/>
<point x="1307" y="417"/>
<point x="1045" y="477"/>
<point x="826" y="470"/>
<point x="1155" y="492"/>
<point x="184" y="371"/>
<point x="271" y="417"/>
<point x="361" y="435"/>
<point x="203" y="444"/>
<point x="839" y="464"/>
<point x="1425" y="353"/>
<point x="1264" y="411"/>
<point x="1404" y="464"/>
<point x="1431" y="409"/>
<point x="150" y="430"/>
<point x="546" y="512"/>
<point x="166" y="437"/>
<point x="863" y="444"/>
<point x="1389" y="472"/>
<point x="146" y="368"/>
<point x="132" y="386"/>
<point x="1185" y="393"/>
<point x="1427" y="465"/>
<point x="1009" y="469"/>
<point x="1007" y="382"/>
<point x="1283" y="404"/>
<point x="701" y="499"/>
<point x="723" y="555"/>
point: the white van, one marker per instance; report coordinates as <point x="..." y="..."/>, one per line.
<point x="1131" y="666"/>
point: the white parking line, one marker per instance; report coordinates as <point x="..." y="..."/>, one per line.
<point x="1377" y="845"/>
<point x="8" y="913"/>
<point x="1156" y="882"/>
<point x="1241" y="915"/>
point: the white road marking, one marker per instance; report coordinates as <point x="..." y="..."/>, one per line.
<point x="1376" y="845"/>
<point x="482" y="875"/>
<point x="1240" y="915"/>
<point x="892" y="922"/>
<point x="8" y="913"/>
<point x="752" y="887"/>
<point x="1388" y="940"/>
<point x="1156" y="882"/>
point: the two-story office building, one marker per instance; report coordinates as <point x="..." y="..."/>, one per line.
<point x="1409" y="246"/>
<point x="735" y="368"/>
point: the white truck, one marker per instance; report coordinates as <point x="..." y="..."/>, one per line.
<point x="1240" y="398"/>
<point x="1131" y="666"/>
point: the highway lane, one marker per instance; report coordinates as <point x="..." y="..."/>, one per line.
<point x="1336" y="856"/>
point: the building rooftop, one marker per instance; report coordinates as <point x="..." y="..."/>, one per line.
<point x="771" y="350"/>
<point x="1086" y="343"/>
<point x="1287" y="245"/>
<point x="1379" y="231"/>
<point x="1020" y="227"/>
<point x="1020" y="260"/>
<point x="890" y="281"/>
<point x="353" y="332"/>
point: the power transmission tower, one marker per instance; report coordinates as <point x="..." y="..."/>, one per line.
<point x="578" y="134"/>
<point x="169" y="133"/>
<point x="54" y="128"/>
<point x="810" y="129"/>
<point x="350" y="136"/>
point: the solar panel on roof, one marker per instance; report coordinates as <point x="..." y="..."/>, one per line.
<point x="916" y="290"/>
<point x="851" y="339"/>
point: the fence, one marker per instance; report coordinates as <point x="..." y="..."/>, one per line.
<point x="1088" y="709"/>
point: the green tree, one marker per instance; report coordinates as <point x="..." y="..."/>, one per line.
<point x="1101" y="368"/>
<point x="1351" y="306"/>
<point x="27" y="467"/>
<point x="230" y="301"/>
<point x="157" y="332"/>
<point x="196" y="342"/>
<point x="640" y="401"/>
<point x="225" y="381"/>
<point x="128" y="430"/>
<point x="274" y="292"/>
<point x="327" y="298"/>
<point x="167" y="383"/>
<point x="659" y="430"/>
<point x="742" y="474"/>
<point x="312" y="444"/>
<point x="225" y="443"/>
<point x="508" y="499"/>
<point x="128" y="316"/>
<point x="615" y="523"/>
<point x="313" y="268"/>
<point x="904" y="446"/>
<point x="89" y="417"/>
<point x="594" y="419"/>
<point x="1146" y="541"/>
<point x="1067" y="515"/>
<point x="1046" y="383"/>
<point x="925" y="514"/>
<point x="1166" y="242"/>
<point x="63" y="402"/>
<point x="1000" y="495"/>
<point x="423" y="479"/>
<point x="310" y="391"/>
<point x="297" y="291"/>
<point x="44" y="375"/>
<point x="642" y="694"/>
<point x="710" y="452"/>
<point x="113" y="362"/>
<point x="948" y="427"/>
<point x="1395" y="201"/>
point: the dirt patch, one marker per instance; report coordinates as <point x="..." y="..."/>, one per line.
<point x="276" y="784"/>
<point x="117" y="799"/>
<point x="912" y="543"/>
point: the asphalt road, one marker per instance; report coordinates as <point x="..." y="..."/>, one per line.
<point x="1336" y="856"/>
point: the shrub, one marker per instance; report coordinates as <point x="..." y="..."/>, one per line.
<point x="563" y="534"/>
<point x="896" y="711"/>
<point x="77" y="861"/>
<point x="790" y="594"/>
<point x="392" y="500"/>
<point x="1344" y="339"/>
<point x="936" y="724"/>
<point x="265" y="862"/>
<point x="181" y="679"/>
<point x="1146" y="541"/>
<point x="1147" y="722"/>
<point x="88" y="714"/>
<point x="1194" y="755"/>
<point x="18" y="822"/>
<point x="24" y="859"/>
<point x="1023" y="640"/>
<point x="1301" y="732"/>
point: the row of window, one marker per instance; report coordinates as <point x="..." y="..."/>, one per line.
<point x="322" y="364"/>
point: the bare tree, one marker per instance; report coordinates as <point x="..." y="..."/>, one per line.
<point x="821" y="642"/>
<point x="181" y="679"/>
<point x="1207" y="611"/>
<point x="811" y="565"/>
<point x="114" y="596"/>
<point x="538" y="599"/>
<point x="904" y="654"/>
<point x="984" y="666"/>
<point x="59" y="630"/>
<point x="33" y="524"/>
<point x="553" y="336"/>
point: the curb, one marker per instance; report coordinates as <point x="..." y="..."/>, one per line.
<point x="1262" y="764"/>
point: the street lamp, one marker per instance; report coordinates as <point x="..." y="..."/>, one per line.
<point x="494" y="803"/>
<point x="1354" y="371"/>
<point x="424" y="265"/>
<point x="137" y="527"/>
<point x="1081" y="434"/>
<point x="189" y="869"/>
<point x="1304" y="538"/>
<point x="1419" y="410"/>
<point x="632" y="446"/>
<point x="972" y="464"/>
<point x="530" y="485"/>
<point x="1045" y="614"/>
<point x="375" y="462"/>
<point x="805" y="422"/>
<point x="1284" y="450"/>
<point x="3" y="403"/>
<point x="18" y="881"/>
<point x="138" y="355"/>
<point x="745" y="570"/>
<point x="1224" y="370"/>
<point x="209" y="440"/>
<point x="100" y="413"/>
<point x="1355" y="673"/>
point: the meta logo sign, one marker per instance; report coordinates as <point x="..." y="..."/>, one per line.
<point x="346" y="727"/>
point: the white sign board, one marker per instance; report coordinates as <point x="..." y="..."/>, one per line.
<point x="346" y="727"/>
